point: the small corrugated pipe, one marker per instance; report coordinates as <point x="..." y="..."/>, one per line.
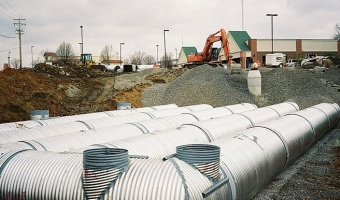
<point x="204" y="157"/>
<point x="102" y="167"/>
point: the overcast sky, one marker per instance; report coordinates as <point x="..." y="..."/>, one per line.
<point x="140" y="23"/>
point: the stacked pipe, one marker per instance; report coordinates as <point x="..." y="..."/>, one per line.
<point x="137" y="126"/>
<point x="243" y="171"/>
<point x="91" y="124"/>
<point x="72" y="118"/>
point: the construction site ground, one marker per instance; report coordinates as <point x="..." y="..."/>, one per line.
<point x="71" y="90"/>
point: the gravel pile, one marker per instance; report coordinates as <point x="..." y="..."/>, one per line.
<point x="296" y="85"/>
<point x="216" y="87"/>
<point x="200" y="85"/>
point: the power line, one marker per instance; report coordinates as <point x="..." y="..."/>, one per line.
<point x="9" y="49"/>
<point x="7" y="11"/>
<point x="13" y="9"/>
<point x="6" y="36"/>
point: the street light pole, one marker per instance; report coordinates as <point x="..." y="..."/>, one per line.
<point x="32" y="55"/>
<point x="9" y="59"/>
<point x="165" y="58"/>
<point x="82" y="42"/>
<point x="176" y="54"/>
<point x="157" y="53"/>
<point x="120" y="53"/>
<point x="271" y="16"/>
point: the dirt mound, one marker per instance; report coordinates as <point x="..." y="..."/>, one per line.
<point x="46" y="88"/>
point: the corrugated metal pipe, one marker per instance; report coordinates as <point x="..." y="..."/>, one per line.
<point x="102" y="167"/>
<point x="204" y="157"/>
<point x="248" y="161"/>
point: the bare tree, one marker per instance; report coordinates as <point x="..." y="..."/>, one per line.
<point x="337" y="34"/>
<point x="65" y="52"/>
<point x="106" y="54"/>
<point x="167" y="60"/>
<point x="39" y="59"/>
<point x="149" y="60"/>
<point x="15" y="63"/>
<point x="137" y="58"/>
<point x="126" y="61"/>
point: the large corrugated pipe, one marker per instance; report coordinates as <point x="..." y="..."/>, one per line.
<point x="204" y="157"/>
<point x="101" y="169"/>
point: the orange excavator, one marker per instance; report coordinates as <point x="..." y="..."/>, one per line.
<point x="209" y="55"/>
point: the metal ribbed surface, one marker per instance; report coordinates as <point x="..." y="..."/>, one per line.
<point x="177" y="111"/>
<point x="296" y="132"/>
<point x="210" y="113"/>
<point x="17" y="145"/>
<point x="317" y="119"/>
<point x="285" y="108"/>
<point x="72" y="118"/>
<point x="164" y="123"/>
<point x="331" y="112"/>
<point x="161" y="144"/>
<point x="19" y="125"/>
<point x="40" y="132"/>
<point x="159" y="178"/>
<point x="101" y="169"/>
<point x="42" y="175"/>
<point x="199" y="107"/>
<point x="121" y="119"/>
<point x="204" y="157"/>
<point x="78" y="140"/>
<point x="260" y="115"/>
<point x="164" y="107"/>
<point x="337" y="107"/>
<point x="237" y="108"/>
<point x="222" y="111"/>
<point x="223" y="126"/>
<point x="252" y="157"/>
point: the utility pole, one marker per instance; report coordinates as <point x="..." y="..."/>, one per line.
<point x="20" y="31"/>
<point x="9" y="59"/>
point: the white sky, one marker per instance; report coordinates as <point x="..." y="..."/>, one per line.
<point x="140" y="23"/>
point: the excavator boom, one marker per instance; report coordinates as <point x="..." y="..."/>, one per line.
<point x="206" y="55"/>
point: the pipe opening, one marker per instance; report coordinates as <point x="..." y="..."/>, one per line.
<point x="101" y="168"/>
<point x="204" y="157"/>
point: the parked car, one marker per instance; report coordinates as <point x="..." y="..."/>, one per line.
<point x="291" y="62"/>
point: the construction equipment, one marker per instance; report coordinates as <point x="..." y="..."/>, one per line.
<point x="86" y="60"/>
<point x="209" y="55"/>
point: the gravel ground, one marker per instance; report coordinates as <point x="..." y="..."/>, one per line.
<point x="214" y="86"/>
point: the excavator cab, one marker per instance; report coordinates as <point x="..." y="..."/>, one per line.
<point x="214" y="53"/>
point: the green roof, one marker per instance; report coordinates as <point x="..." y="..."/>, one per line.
<point x="241" y="37"/>
<point x="189" y="50"/>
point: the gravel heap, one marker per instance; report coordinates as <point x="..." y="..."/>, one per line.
<point x="200" y="85"/>
<point x="216" y="87"/>
<point x="295" y="85"/>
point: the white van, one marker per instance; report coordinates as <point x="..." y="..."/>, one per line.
<point x="276" y="60"/>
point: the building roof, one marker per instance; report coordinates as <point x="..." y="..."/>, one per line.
<point x="241" y="37"/>
<point x="50" y="54"/>
<point x="189" y="50"/>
